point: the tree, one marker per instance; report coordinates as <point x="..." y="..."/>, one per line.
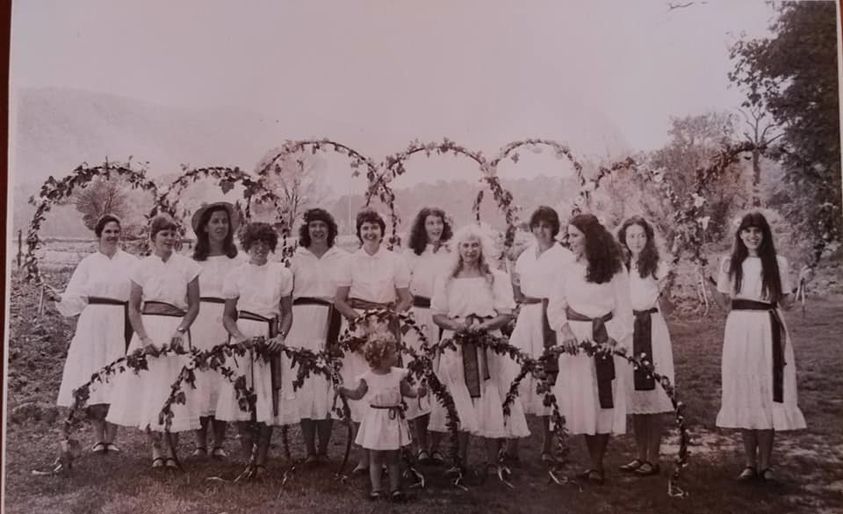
<point x="298" y="180"/>
<point x="101" y="197"/>
<point x="793" y="75"/>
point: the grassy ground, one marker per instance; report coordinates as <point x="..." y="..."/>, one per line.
<point x="807" y="462"/>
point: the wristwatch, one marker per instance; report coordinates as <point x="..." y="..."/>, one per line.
<point x="181" y="330"/>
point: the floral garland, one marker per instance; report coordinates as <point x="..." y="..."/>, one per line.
<point x="55" y="191"/>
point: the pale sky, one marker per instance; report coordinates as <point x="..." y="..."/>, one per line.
<point x="602" y="75"/>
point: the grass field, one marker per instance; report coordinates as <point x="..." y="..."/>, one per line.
<point x="809" y="463"/>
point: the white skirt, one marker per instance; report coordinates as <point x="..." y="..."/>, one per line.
<point x="309" y="331"/>
<point x="576" y="390"/>
<point x="99" y="340"/>
<point x="206" y="332"/>
<point x="383" y="429"/>
<point x="137" y="398"/>
<point x="653" y="401"/>
<point x="528" y="337"/>
<point x="418" y="407"/>
<point x="259" y="376"/>
<point x="481" y="416"/>
<point x="747" y="373"/>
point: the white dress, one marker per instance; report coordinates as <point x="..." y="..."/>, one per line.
<point x="747" y="367"/>
<point x="644" y="293"/>
<point x="139" y="397"/>
<point x="373" y="278"/>
<point x="259" y="290"/>
<point x="424" y="269"/>
<point x="208" y="331"/>
<point x="384" y="426"/>
<point x="576" y="388"/>
<point x="535" y="277"/>
<point x="313" y="277"/>
<point x="483" y="416"/>
<point x="100" y="331"/>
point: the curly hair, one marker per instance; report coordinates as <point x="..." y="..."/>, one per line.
<point x="601" y="250"/>
<point x="317" y="214"/>
<point x="378" y="348"/>
<point x="464" y="234"/>
<point x="418" y="234"/>
<point x="203" y="243"/>
<point x="547" y="214"/>
<point x="161" y="222"/>
<point x="104" y="220"/>
<point x="258" y="231"/>
<point x="368" y="215"/>
<point x="648" y="259"/>
<point x="771" y="283"/>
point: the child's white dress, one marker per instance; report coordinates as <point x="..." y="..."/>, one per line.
<point x="384" y="426"/>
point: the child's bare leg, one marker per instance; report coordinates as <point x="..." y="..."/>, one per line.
<point x="376" y="469"/>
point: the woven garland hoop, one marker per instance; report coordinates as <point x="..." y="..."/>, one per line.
<point x="53" y="192"/>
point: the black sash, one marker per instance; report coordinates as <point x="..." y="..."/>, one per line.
<point x="211" y="299"/>
<point x="779" y="337"/>
<point x="642" y="343"/>
<point x="275" y="360"/>
<point x="334" y="317"/>
<point x="551" y="364"/>
<point x="473" y="370"/>
<point x="153" y="308"/>
<point x="395" y="411"/>
<point x="421" y="302"/>
<point x="604" y="363"/>
<point x="127" y="325"/>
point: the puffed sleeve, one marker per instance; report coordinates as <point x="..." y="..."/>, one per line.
<point x="724" y="284"/>
<point x="75" y="296"/>
<point x="343" y="274"/>
<point x="402" y="273"/>
<point x="286" y="281"/>
<point x="192" y="269"/>
<point x="229" y="286"/>
<point x="622" y="326"/>
<point x="503" y="300"/>
<point x="439" y="302"/>
<point x="556" y="304"/>
<point x="784" y="273"/>
<point x="138" y="275"/>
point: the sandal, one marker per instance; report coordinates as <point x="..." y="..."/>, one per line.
<point x="767" y="475"/>
<point x="747" y="474"/>
<point x="632" y="466"/>
<point x="112" y="448"/>
<point x="437" y="458"/>
<point x="219" y="453"/>
<point x="594" y="476"/>
<point x="375" y="495"/>
<point x="359" y="470"/>
<point x="646" y="469"/>
<point x="200" y="451"/>
<point x="171" y="463"/>
<point x="99" y="447"/>
<point x="423" y="457"/>
<point x="157" y="463"/>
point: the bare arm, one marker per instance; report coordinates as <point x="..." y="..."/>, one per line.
<point x="405" y="299"/>
<point x="495" y="323"/>
<point x="341" y="303"/>
<point x="229" y="320"/>
<point x="178" y="337"/>
<point x="357" y="393"/>
<point x="135" y="318"/>
<point x="449" y="323"/>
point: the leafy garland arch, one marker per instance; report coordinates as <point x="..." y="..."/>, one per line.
<point x="54" y="191"/>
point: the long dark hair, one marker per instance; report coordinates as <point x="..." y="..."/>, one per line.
<point x="418" y="234"/>
<point x="203" y="243"/>
<point x="601" y="250"/>
<point x="317" y="214"/>
<point x="771" y="282"/>
<point x="648" y="259"/>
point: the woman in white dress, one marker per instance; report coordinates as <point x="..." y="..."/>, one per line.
<point x="99" y="293"/>
<point x="535" y="273"/>
<point x="372" y="277"/>
<point x="317" y="324"/>
<point x="214" y="225"/>
<point x="258" y="303"/>
<point x="591" y="303"/>
<point x="427" y="257"/>
<point x="474" y="297"/>
<point x="647" y="400"/>
<point x="759" y="371"/>
<point x="163" y="304"/>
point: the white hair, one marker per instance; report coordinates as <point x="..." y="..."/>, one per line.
<point x="487" y="250"/>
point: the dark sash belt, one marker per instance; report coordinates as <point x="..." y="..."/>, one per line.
<point x="475" y="373"/>
<point x="551" y="364"/>
<point x="334" y="317"/>
<point x="642" y="342"/>
<point x="212" y="299"/>
<point x="777" y="327"/>
<point x="395" y="411"/>
<point x="127" y="325"/>
<point x="153" y="308"/>
<point x="274" y="360"/>
<point x="392" y="324"/>
<point x="422" y="302"/>
<point x="604" y="363"/>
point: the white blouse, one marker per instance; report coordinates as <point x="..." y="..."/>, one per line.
<point x="536" y="275"/>
<point x="214" y="270"/>
<point x="644" y="292"/>
<point x="751" y="284"/>
<point x="316" y="277"/>
<point x="166" y="281"/>
<point x="374" y="278"/>
<point x="425" y="268"/>
<point x="259" y="288"/>
<point x="460" y="297"/>
<point x="98" y="275"/>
